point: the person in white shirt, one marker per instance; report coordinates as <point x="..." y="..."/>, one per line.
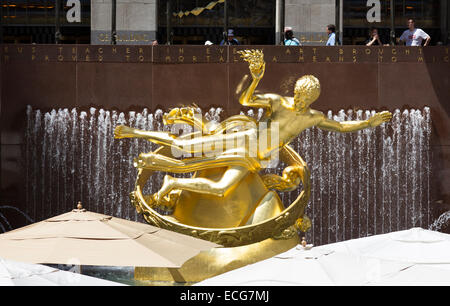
<point x="413" y="36"/>
<point x="331" y="29"/>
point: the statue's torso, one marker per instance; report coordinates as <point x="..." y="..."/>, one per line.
<point x="290" y="122"/>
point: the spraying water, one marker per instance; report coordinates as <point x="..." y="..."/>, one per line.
<point x="440" y="222"/>
<point x="4" y="223"/>
<point x="369" y="182"/>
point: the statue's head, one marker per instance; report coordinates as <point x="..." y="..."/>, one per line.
<point x="307" y="90"/>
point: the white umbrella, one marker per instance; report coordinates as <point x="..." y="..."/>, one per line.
<point x="294" y="267"/>
<point x="315" y="267"/>
<point x="417" y="275"/>
<point x="375" y="260"/>
<point x="415" y="245"/>
<point x="13" y="273"/>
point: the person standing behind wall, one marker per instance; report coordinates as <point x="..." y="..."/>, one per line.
<point x="229" y="40"/>
<point x="414" y="36"/>
<point x="289" y="39"/>
<point x="374" y="38"/>
<point x="331" y="31"/>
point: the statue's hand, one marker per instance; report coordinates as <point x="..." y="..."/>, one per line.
<point x="256" y="62"/>
<point x="118" y="131"/>
<point x="122" y="131"/>
<point x="379" y="118"/>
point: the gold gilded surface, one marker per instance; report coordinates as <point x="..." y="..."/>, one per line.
<point x="303" y="223"/>
<point x="232" y="210"/>
<point x="276" y="226"/>
<point x="218" y="54"/>
<point x="220" y="172"/>
<point x="217" y="261"/>
<point x="227" y="200"/>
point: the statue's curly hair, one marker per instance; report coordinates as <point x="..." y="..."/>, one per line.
<point x="309" y="87"/>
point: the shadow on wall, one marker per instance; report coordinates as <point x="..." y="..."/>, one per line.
<point x="440" y="81"/>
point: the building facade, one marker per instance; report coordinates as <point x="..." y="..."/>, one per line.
<point x="195" y="21"/>
<point x="35" y="21"/>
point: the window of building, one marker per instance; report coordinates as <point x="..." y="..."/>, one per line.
<point x="34" y="21"/>
<point x="253" y="21"/>
<point x="426" y="13"/>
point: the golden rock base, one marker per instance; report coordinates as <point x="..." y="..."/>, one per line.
<point x="217" y="261"/>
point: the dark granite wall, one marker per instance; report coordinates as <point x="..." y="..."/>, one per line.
<point x="134" y="77"/>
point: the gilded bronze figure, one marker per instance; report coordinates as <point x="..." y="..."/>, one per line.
<point x="227" y="200"/>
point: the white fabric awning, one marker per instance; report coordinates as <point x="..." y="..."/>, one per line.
<point x="13" y="273"/>
<point x="410" y="257"/>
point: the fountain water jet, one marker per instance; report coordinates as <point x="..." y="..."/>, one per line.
<point x="440" y="222"/>
<point x="376" y="183"/>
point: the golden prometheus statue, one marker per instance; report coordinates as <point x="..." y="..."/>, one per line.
<point x="227" y="200"/>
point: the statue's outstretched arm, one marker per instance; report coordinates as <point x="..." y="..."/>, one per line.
<point x="352" y="126"/>
<point x="164" y="138"/>
<point x="255" y="58"/>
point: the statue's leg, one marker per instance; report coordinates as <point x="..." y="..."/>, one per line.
<point x="159" y="162"/>
<point x="230" y="178"/>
